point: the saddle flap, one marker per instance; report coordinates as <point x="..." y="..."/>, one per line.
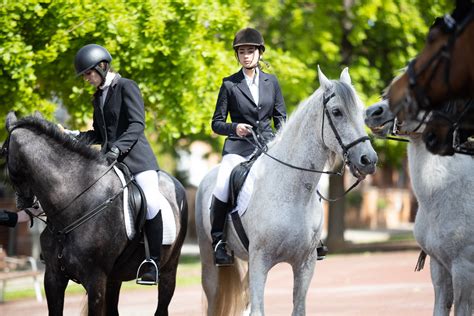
<point x="237" y="180"/>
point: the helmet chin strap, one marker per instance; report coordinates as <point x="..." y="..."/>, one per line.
<point x="102" y="72"/>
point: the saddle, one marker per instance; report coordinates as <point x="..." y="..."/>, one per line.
<point x="236" y="182"/>
<point x="136" y="198"/>
<point x="237" y="179"/>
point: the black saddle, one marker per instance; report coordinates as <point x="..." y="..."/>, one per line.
<point x="136" y="198"/>
<point x="237" y="179"/>
<point x="236" y="182"/>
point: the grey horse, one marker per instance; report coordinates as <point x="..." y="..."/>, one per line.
<point x="284" y="217"/>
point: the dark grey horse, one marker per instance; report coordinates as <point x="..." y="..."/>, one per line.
<point x="85" y="239"/>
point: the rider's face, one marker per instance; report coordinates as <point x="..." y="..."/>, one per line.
<point x="248" y="56"/>
<point x="92" y="77"/>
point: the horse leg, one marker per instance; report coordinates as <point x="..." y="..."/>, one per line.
<point x="95" y="286"/>
<point x="463" y="282"/>
<point x="258" y="270"/>
<point x="167" y="286"/>
<point x="209" y="275"/>
<point x="112" y="296"/>
<point x="443" y="288"/>
<point x="302" y="275"/>
<point x="55" y="284"/>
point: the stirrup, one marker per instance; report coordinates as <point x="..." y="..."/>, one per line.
<point x="230" y="258"/>
<point x="323" y="252"/>
<point x="146" y="282"/>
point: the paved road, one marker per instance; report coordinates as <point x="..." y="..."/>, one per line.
<point x="356" y="284"/>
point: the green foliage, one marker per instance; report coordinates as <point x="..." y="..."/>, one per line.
<point x="179" y="51"/>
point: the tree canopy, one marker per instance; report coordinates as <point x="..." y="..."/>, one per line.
<point x="178" y="51"/>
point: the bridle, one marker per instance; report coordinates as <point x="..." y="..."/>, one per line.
<point x="345" y="149"/>
<point x="442" y="56"/>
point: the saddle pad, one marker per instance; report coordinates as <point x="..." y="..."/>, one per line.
<point x="169" y="225"/>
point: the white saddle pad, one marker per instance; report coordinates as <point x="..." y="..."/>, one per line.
<point x="169" y="225"/>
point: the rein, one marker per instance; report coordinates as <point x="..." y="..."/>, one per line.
<point x="345" y="148"/>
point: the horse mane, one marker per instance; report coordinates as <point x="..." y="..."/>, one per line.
<point x="307" y="107"/>
<point x="307" y="111"/>
<point x="51" y="130"/>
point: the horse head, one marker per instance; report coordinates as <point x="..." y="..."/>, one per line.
<point x="344" y="133"/>
<point x="16" y="167"/>
<point x="380" y="119"/>
<point x="444" y="68"/>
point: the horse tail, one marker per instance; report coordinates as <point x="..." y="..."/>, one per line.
<point x="232" y="295"/>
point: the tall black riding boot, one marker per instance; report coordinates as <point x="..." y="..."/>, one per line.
<point x="219" y="210"/>
<point x="154" y="233"/>
<point x="322" y="250"/>
<point x="7" y="218"/>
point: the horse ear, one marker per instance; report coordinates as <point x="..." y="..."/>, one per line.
<point x="38" y="114"/>
<point x="324" y="82"/>
<point x="10" y="120"/>
<point x="345" y="76"/>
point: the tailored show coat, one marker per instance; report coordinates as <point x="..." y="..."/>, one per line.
<point x="235" y="99"/>
<point x="120" y="122"/>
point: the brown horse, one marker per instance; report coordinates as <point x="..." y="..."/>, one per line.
<point x="444" y="70"/>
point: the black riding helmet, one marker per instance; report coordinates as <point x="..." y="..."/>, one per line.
<point x="89" y="57"/>
<point x="249" y="36"/>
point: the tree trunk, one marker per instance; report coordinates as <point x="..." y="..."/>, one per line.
<point x="337" y="209"/>
<point x="336" y="227"/>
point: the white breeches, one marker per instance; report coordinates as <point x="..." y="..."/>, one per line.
<point x="229" y="161"/>
<point x="148" y="182"/>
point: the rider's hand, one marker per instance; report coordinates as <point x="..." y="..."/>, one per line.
<point x="112" y="155"/>
<point x="243" y="129"/>
<point x="73" y="133"/>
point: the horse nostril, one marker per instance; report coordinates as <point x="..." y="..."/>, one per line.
<point x="364" y="160"/>
<point x="377" y="112"/>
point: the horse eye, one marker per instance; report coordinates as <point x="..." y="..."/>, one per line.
<point x="336" y="112"/>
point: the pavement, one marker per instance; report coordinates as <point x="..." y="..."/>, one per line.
<point x="360" y="281"/>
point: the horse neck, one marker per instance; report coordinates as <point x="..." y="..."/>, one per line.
<point x="431" y="175"/>
<point x="300" y="144"/>
<point x="57" y="176"/>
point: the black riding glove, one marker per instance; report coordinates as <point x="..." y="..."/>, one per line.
<point x="112" y="155"/>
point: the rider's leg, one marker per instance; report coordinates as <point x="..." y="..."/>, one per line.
<point x="220" y="208"/>
<point x="148" y="181"/>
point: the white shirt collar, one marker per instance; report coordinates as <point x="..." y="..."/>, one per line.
<point x="108" y="80"/>
<point x="255" y="78"/>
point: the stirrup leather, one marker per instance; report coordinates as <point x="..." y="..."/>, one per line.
<point x="144" y="264"/>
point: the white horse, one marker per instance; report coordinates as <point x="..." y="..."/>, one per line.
<point x="284" y="217"/>
<point x="443" y="186"/>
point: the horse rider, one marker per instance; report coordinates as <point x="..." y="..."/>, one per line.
<point x="118" y="126"/>
<point x="253" y="99"/>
